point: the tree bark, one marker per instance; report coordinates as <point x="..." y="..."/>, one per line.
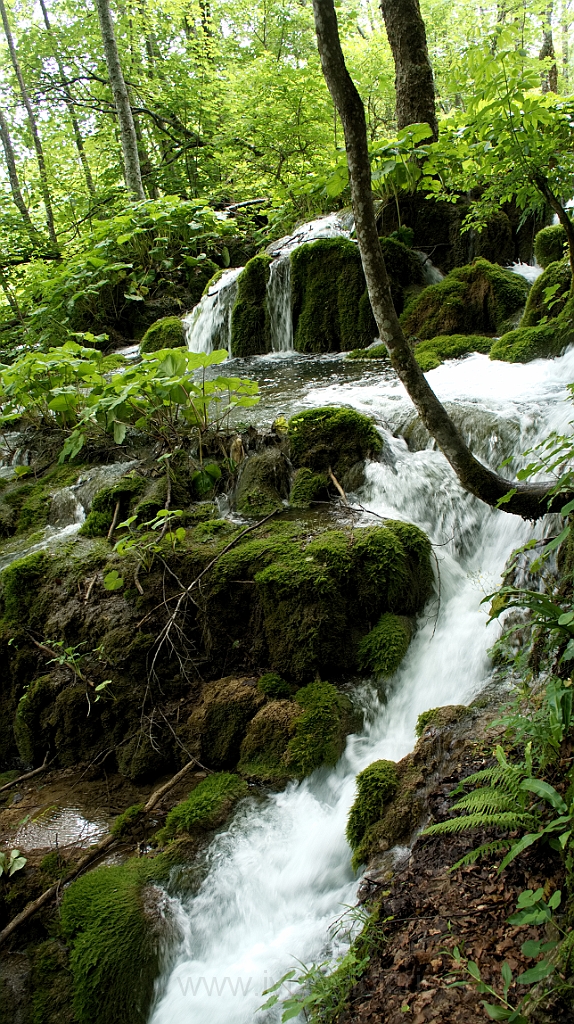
<point x="414" y="83"/>
<point x="70" y="105"/>
<point x="550" y="77"/>
<point x="529" y="501"/>
<point x="33" y="126"/>
<point x="129" y="142"/>
<point x="17" y="196"/>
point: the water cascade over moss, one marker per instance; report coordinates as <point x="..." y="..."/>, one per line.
<point x="250" y="330"/>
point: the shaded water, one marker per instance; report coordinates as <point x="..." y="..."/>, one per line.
<point x="280" y="873"/>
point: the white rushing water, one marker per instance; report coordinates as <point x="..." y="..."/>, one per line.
<point x="280" y="873"/>
<point x="208" y="326"/>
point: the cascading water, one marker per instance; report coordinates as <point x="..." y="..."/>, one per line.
<point x="208" y="326"/>
<point x="280" y="873"/>
<point x="279" y="304"/>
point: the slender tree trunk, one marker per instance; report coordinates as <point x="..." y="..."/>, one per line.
<point x="70" y="105"/>
<point x="550" y="77"/>
<point x="528" y="501"/>
<point x="565" y="43"/>
<point x="33" y="126"/>
<point x="544" y="188"/>
<point x="132" y="170"/>
<point x="17" y="196"/>
<point x="414" y="81"/>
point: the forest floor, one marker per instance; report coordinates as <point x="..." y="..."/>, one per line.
<point x="428" y="910"/>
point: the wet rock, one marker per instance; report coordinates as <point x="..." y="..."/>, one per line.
<point x="263" y="483"/>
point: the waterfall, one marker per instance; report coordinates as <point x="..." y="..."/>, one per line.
<point x="280" y="871"/>
<point x="525" y="270"/>
<point x="208" y="326"/>
<point x="279" y="304"/>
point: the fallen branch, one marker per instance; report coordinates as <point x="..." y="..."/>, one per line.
<point x="94" y="853"/>
<point x="112" y="528"/>
<point x="338" y="485"/>
<point x="28" y="775"/>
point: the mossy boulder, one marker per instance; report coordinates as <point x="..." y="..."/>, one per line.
<point x="550" y="245"/>
<point x="382" y="650"/>
<point x="308" y="487"/>
<point x="376" y="786"/>
<point x="372" y="352"/>
<point x="263" y="483"/>
<point x="332" y="437"/>
<point x="20" y="581"/>
<point x="217" y="727"/>
<point x="432" y="352"/>
<point x="540" y="342"/>
<point x="543" y="304"/>
<point x="403" y="265"/>
<point x="114" y="926"/>
<point x="273" y="686"/>
<point x="206" y="807"/>
<point x="250" y="330"/>
<point x="100" y="517"/>
<point x="476" y="299"/>
<point x="266" y="741"/>
<point x="164" y="333"/>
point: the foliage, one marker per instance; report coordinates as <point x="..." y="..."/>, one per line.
<point x="548" y="295"/>
<point x="273" y="686"/>
<point x="12" y="862"/>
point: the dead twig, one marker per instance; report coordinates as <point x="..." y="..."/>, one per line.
<point x="28" y="775"/>
<point x="112" y="528"/>
<point x="338" y="485"/>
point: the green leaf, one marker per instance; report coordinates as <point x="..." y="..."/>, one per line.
<point x="546" y="792"/>
<point x="537" y="973"/>
<point x="119" y="431"/>
<point x="473" y="970"/>
<point x="496" y="1012"/>
<point x="555" y="900"/>
<point x="113" y="580"/>
<point x="506" y="497"/>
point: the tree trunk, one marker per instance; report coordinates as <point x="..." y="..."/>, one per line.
<point x="565" y="43"/>
<point x="563" y="216"/>
<point x="414" y="83"/>
<point x="550" y="77"/>
<point x="17" y="196"/>
<point x="129" y="142"/>
<point x="527" y="501"/>
<point x="33" y="126"/>
<point x="70" y="105"/>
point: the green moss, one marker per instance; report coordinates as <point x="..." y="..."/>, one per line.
<point x="124" y="823"/>
<point x="308" y="487"/>
<point x="549" y="245"/>
<point x="475" y="299"/>
<point x="426" y="718"/>
<point x="215" y="277"/>
<point x="207" y="806"/>
<point x="250" y="330"/>
<point x="165" y="333"/>
<point x="527" y="343"/>
<point x="99" y="519"/>
<point x="403" y="265"/>
<point x="382" y="650"/>
<point x="320" y="732"/>
<point x="20" y="582"/>
<point x="373" y="352"/>
<point x="394" y="562"/>
<point x="331" y="310"/>
<point x="264" y="751"/>
<point x="114" y="932"/>
<point x="332" y="437"/>
<point x="217" y="727"/>
<point x="273" y="686"/>
<point x="199" y="277"/>
<point x="51" y="985"/>
<point x="263" y="483"/>
<point x="376" y="786"/>
<point x="431" y="353"/>
<point x="558" y="277"/>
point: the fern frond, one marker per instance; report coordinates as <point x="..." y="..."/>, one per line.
<point x="486" y="800"/>
<point x="503" y="819"/>
<point x="481" y="851"/>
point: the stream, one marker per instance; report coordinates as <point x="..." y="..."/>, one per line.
<point x="279" y="874"/>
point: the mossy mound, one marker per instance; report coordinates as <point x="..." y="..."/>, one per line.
<point x="476" y="299"/>
<point x="373" y="352"/>
<point x="330" y="306"/>
<point x="217" y="727"/>
<point x="20" y="581"/>
<point x="164" y="333"/>
<point x="541" y="342"/>
<point x="308" y="487"/>
<point x="333" y="438"/>
<point x="206" y="807"/>
<point x="100" y="517"/>
<point x="550" y="245"/>
<point x="431" y="353"/>
<point x="263" y="483"/>
<point x="250" y="330"/>
<point x="266" y="741"/>
<point x="25" y="504"/>
<point x="403" y="265"/>
<point x="376" y="786"/>
<point x="382" y="650"/>
<point x="543" y="304"/>
<point x="273" y="686"/>
<point x="112" y="923"/>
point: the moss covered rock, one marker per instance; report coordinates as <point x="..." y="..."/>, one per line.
<point x="432" y="352"/>
<point x="541" y="342"/>
<point x="382" y="650"/>
<point x="273" y="686"/>
<point x="115" y="929"/>
<point x="544" y="304"/>
<point x="263" y="483"/>
<point x="476" y="299"/>
<point x="206" y="807"/>
<point x="308" y="487"/>
<point x="550" y="245"/>
<point x="321" y="730"/>
<point x="376" y="786"/>
<point x="333" y="438"/>
<point x="99" y="519"/>
<point x="372" y="352"/>
<point x="266" y="741"/>
<point x="250" y="330"/>
<point x="217" y="727"/>
<point x="164" y="333"/>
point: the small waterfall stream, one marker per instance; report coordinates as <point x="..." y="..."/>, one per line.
<point x="280" y="872"/>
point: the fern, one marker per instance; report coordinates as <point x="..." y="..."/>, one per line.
<point x="507" y="820"/>
<point x="481" y="851"/>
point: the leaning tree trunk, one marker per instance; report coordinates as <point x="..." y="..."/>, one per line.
<point x="33" y="125"/>
<point x="70" y="105"/>
<point x="528" y="501"/>
<point x="414" y="83"/>
<point x="132" y="170"/>
<point x="33" y="233"/>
